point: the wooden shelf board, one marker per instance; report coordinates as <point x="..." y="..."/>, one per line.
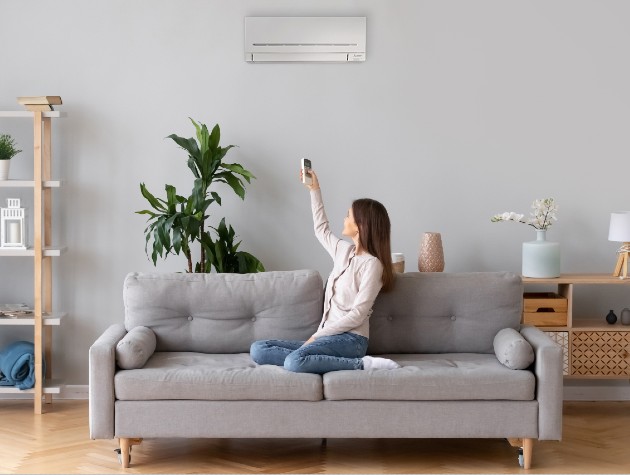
<point x="28" y="184"/>
<point x="549" y="329"/>
<point x="579" y="279"/>
<point x="53" y="319"/>
<point x="598" y="325"/>
<point x="50" y="387"/>
<point x="48" y="252"/>
<point x="29" y="114"/>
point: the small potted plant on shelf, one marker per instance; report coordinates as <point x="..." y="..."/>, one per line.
<point x="7" y="152"/>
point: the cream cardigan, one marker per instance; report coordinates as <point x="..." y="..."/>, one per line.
<point x="354" y="282"/>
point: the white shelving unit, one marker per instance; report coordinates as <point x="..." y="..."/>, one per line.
<point x="28" y="184"/>
<point x="42" y="252"/>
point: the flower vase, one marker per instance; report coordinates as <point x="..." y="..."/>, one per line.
<point x="541" y="258"/>
<point x="431" y="258"/>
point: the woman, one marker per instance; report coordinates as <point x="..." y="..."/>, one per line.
<point x="360" y="271"/>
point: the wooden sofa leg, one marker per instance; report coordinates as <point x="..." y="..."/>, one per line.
<point x="528" y="448"/>
<point x="125" y="449"/>
<point x="527" y="445"/>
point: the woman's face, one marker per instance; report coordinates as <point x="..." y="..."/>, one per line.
<point x="350" y="227"/>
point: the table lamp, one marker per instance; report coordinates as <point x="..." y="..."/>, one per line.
<point x="620" y="232"/>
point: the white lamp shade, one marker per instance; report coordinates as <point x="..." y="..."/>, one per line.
<point x="619" y="226"/>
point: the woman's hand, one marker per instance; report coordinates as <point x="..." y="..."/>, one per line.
<point x="314" y="181"/>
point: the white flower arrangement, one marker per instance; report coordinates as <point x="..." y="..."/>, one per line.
<point x="542" y="217"/>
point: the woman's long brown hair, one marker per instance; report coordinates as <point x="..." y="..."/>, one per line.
<point x="374" y="235"/>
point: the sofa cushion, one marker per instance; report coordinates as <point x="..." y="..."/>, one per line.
<point x="436" y="377"/>
<point x="436" y="312"/>
<point x="512" y="350"/>
<point x="135" y="348"/>
<point x="224" y="313"/>
<point x="231" y="377"/>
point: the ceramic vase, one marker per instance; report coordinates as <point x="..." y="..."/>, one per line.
<point x="4" y="169"/>
<point x="431" y="256"/>
<point x="625" y="316"/>
<point x="541" y="258"/>
<point x="611" y="317"/>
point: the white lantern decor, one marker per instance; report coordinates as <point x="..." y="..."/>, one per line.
<point x="12" y="235"/>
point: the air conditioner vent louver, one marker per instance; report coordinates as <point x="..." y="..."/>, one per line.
<point x="305" y="39"/>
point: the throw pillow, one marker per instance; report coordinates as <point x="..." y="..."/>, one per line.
<point x="135" y="348"/>
<point x="512" y="350"/>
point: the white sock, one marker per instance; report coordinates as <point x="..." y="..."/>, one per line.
<point x="372" y="362"/>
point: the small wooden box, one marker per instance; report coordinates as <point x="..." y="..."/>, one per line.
<point x="544" y="309"/>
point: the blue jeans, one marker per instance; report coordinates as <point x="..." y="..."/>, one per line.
<point x="328" y="353"/>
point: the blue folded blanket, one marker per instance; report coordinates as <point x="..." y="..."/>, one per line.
<point x="17" y="365"/>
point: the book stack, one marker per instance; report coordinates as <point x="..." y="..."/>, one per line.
<point x="39" y="103"/>
<point x="15" y="310"/>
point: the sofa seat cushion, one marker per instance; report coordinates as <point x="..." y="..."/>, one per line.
<point x="214" y="377"/>
<point x="434" y="377"/>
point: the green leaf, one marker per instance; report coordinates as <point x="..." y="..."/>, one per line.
<point x="235" y="183"/>
<point x="165" y="239"/>
<point x="216" y="197"/>
<point x="177" y="240"/>
<point x="151" y="199"/>
<point x="237" y="168"/>
<point x="190" y="145"/>
<point x="215" y="136"/>
<point x="171" y="198"/>
<point x="193" y="166"/>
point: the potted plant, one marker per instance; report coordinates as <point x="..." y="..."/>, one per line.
<point x="7" y="152"/>
<point x="178" y="222"/>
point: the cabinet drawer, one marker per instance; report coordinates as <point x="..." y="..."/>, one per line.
<point x="600" y="353"/>
<point x="562" y="339"/>
<point x="544" y="309"/>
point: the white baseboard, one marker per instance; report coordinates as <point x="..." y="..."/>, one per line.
<point x="572" y="392"/>
<point x="597" y="393"/>
<point x="70" y="391"/>
<point x="75" y="391"/>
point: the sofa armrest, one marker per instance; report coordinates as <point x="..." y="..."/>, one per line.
<point x="549" y="382"/>
<point x="102" y="369"/>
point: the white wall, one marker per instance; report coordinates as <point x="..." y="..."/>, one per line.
<point x="462" y="110"/>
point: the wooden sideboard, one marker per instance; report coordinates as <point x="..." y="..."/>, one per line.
<point x="593" y="348"/>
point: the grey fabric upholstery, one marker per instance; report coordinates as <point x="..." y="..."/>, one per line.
<point x="102" y="360"/>
<point x="195" y="312"/>
<point x="200" y="382"/>
<point x="512" y="350"/>
<point x="436" y="377"/>
<point x="136" y="347"/>
<point x="357" y="419"/>
<point x="434" y="312"/>
<point x="228" y="377"/>
<point x="549" y="382"/>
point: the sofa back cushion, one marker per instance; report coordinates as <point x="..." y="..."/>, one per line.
<point x="223" y="313"/>
<point x="431" y="312"/>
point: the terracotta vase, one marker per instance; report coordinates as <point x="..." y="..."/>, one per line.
<point x="431" y="256"/>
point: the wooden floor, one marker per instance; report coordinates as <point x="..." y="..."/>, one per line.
<point x="596" y="440"/>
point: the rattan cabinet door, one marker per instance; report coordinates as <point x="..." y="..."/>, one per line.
<point x="600" y="353"/>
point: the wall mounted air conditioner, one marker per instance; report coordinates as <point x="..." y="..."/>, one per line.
<point x="289" y="39"/>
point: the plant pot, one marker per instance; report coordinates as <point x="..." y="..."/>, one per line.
<point x="4" y="169"/>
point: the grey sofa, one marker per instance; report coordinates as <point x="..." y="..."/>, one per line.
<point x="201" y="382"/>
